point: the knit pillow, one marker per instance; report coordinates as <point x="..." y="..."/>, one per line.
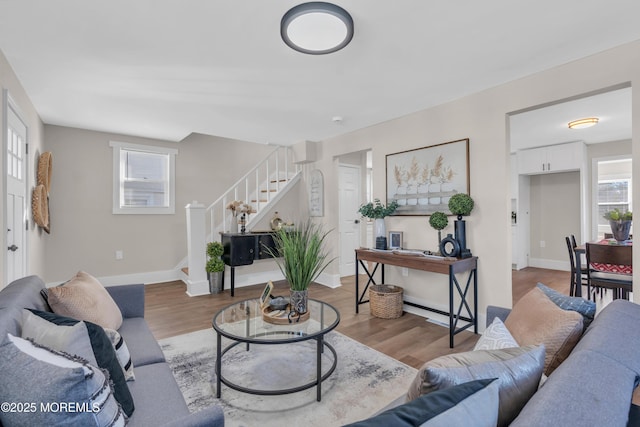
<point x="84" y="298"/>
<point x="536" y="320"/>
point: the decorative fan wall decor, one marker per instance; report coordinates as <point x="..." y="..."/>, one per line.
<point x="40" y="196"/>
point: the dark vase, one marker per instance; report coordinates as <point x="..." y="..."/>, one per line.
<point x="461" y="237"/>
<point x="620" y="229"/>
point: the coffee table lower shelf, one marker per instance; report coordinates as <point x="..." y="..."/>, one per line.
<point x="320" y="345"/>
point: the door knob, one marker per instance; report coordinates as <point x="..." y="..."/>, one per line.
<point x="13" y="248"/>
<point x="357" y="221"/>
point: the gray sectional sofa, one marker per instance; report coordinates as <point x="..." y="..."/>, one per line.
<point x="595" y="384"/>
<point x="157" y="398"/>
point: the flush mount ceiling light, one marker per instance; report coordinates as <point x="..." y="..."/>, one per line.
<point x="583" y="123"/>
<point x="316" y="28"/>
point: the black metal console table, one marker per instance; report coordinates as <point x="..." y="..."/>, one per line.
<point x="244" y="248"/>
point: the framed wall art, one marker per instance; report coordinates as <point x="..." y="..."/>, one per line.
<point x="423" y="180"/>
<point x="316" y="193"/>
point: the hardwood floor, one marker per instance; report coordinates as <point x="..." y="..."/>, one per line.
<point x="410" y="339"/>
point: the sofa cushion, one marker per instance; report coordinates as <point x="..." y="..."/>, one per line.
<point x="10" y="321"/>
<point x="588" y="389"/>
<point x="142" y="345"/>
<point x="535" y="320"/>
<point x="44" y="379"/>
<point x="157" y="395"/>
<point x="105" y="356"/>
<point x="84" y="298"/>
<point x="495" y="337"/>
<point x="122" y="353"/>
<point x="73" y="339"/>
<point x="580" y="305"/>
<point x="24" y="293"/>
<point x="454" y="406"/>
<point x="518" y="371"/>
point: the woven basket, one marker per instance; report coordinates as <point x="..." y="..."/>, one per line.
<point x="385" y="301"/>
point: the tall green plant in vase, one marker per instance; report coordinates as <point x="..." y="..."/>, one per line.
<point x="301" y="257"/>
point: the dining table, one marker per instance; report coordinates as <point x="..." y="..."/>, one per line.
<point x="607" y="268"/>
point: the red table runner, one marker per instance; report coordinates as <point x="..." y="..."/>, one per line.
<point x="613" y="268"/>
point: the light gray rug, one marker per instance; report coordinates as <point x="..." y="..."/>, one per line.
<point x="364" y="381"/>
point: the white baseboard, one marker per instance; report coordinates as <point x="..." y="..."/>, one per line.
<point x="550" y="264"/>
<point x="127" y="279"/>
<point x="242" y="280"/>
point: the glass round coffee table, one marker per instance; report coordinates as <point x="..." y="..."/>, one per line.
<point x="243" y="322"/>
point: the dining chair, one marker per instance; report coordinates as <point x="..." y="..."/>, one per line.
<point x="591" y="292"/>
<point x="619" y="258"/>
<point x="574" y="261"/>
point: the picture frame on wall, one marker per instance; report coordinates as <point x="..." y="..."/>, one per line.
<point x="395" y="240"/>
<point x="423" y="180"/>
<point x="316" y="193"/>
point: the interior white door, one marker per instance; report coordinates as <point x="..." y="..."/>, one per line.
<point x="349" y="225"/>
<point x="16" y="197"/>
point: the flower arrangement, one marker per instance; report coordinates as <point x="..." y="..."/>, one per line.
<point x="239" y="207"/>
<point x="377" y="210"/>
<point x="616" y="215"/>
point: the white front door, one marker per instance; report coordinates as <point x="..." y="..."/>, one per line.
<point x="349" y="226"/>
<point x="16" y="197"/>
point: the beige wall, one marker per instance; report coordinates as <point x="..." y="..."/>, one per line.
<point x="555" y="213"/>
<point x="482" y="119"/>
<point x="84" y="232"/>
<point x="35" y="236"/>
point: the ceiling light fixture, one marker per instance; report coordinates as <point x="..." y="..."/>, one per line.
<point x="316" y="28"/>
<point x="583" y="123"/>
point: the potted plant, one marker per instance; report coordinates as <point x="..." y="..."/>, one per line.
<point x="439" y="220"/>
<point x="377" y="211"/>
<point x="461" y="205"/>
<point x="620" y="223"/>
<point x="215" y="266"/>
<point x="301" y="256"/>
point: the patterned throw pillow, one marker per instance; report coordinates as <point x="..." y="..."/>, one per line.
<point x="84" y="298"/>
<point x="495" y="337"/>
<point x="122" y="353"/>
<point x="64" y="390"/>
<point x="580" y="305"/>
<point x="518" y="371"/>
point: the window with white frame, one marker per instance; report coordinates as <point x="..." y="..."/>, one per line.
<point x="143" y="179"/>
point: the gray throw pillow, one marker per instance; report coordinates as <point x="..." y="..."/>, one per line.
<point x="518" y="371"/>
<point x="122" y="353"/>
<point x="451" y="407"/>
<point x="73" y="340"/>
<point x="53" y="388"/>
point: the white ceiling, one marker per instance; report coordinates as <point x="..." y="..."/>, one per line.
<point x="165" y="68"/>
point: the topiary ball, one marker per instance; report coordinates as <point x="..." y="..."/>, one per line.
<point x="439" y="220"/>
<point x="461" y="204"/>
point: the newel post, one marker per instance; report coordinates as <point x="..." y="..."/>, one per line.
<point x="197" y="283"/>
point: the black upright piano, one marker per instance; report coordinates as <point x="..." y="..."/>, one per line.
<point x="243" y="248"/>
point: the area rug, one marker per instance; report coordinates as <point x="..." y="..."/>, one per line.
<point x="364" y="381"/>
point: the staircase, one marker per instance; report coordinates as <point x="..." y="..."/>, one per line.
<point x="261" y="188"/>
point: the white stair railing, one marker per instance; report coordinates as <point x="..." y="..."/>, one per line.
<point x="260" y="187"/>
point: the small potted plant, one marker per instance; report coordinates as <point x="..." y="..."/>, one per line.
<point x="620" y="223"/>
<point x="215" y="266"/>
<point x="461" y="205"/>
<point x="377" y="211"/>
<point x="439" y="220"/>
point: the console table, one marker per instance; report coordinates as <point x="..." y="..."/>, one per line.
<point x="452" y="267"/>
<point x="243" y="248"/>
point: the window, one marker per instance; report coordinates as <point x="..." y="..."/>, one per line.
<point x="613" y="194"/>
<point x="143" y="179"/>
